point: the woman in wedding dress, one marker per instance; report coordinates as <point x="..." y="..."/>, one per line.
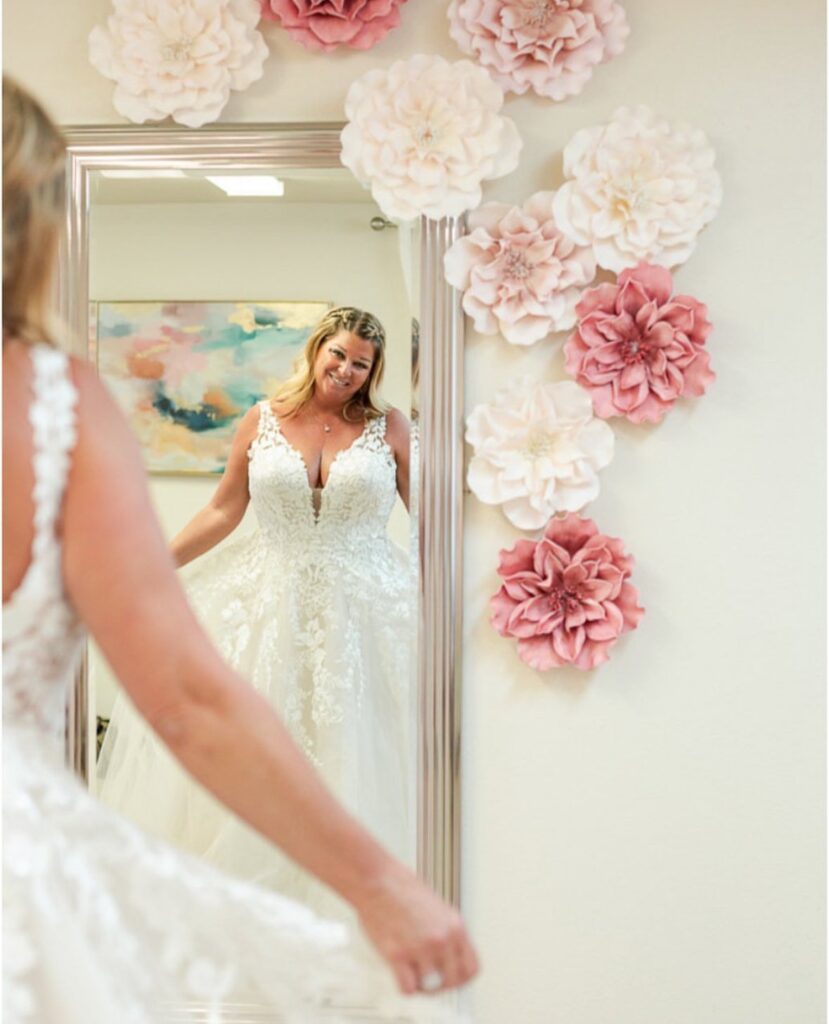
<point x="314" y="608"/>
<point x="102" y="923"/>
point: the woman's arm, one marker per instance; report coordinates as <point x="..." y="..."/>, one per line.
<point x="225" y="510"/>
<point x="398" y="436"/>
<point x="121" y="579"/>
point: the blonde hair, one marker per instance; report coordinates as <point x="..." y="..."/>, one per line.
<point x="34" y="193"/>
<point x="298" y="389"/>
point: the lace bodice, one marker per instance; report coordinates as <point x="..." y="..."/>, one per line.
<point x="349" y="529"/>
<point x="41" y="633"/>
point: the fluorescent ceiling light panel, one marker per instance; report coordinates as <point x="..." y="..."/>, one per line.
<point x="248" y="184"/>
<point x="149" y="173"/>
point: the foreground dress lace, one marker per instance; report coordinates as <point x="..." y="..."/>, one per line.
<point x="314" y="609"/>
<point x="101" y="923"/>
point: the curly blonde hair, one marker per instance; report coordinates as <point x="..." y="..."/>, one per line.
<point x="34" y="197"/>
<point x="298" y="389"/>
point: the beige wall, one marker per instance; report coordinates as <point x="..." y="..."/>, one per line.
<point x="642" y="845"/>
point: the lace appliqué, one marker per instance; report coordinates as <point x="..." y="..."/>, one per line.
<point x="342" y="547"/>
<point x="39" y="626"/>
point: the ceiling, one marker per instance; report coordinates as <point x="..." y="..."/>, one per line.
<point x="302" y="185"/>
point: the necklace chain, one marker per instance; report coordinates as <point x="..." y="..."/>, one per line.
<point x="317" y="419"/>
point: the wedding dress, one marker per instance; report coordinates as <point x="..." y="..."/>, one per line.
<point x="103" y="924"/>
<point x="315" y="610"/>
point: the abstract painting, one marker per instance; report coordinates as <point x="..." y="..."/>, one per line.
<point x="185" y="372"/>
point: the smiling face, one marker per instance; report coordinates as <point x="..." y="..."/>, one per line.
<point x="342" y="367"/>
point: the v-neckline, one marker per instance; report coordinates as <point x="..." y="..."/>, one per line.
<point x="291" y="447"/>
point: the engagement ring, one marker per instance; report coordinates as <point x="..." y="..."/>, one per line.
<point x="432" y="981"/>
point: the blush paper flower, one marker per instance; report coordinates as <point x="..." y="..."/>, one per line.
<point x="636" y="348"/>
<point x="537" y="451"/>
<point x="550" y="46"/>
<point x="178" y="58"/>
<point x="519" y="274"/>
<point x="566" y="597"/>
<point x="639" y="188"/>
<point x="327" y="24"/>
<point x="424" y="133"/>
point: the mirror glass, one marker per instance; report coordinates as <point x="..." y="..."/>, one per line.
<point x="202" y="303"/>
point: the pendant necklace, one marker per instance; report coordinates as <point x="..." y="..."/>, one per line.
<point x="325" y="426"/>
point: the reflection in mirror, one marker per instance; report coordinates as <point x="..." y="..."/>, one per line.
<point x="281" y="445"/>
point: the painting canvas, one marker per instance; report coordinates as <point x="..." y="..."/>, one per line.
<point x="185" y="372"/>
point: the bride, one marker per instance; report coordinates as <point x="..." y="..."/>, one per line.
<point x="102" y="923"/>
<point x="314" y="608"/>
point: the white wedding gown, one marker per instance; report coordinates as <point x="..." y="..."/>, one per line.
<point x="315" y="610"/>
<point x="101" y="923"/>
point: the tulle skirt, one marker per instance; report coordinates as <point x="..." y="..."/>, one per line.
<point x="331" y="649"/>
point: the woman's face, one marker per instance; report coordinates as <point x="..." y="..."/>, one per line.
<point x="342" y="367"/>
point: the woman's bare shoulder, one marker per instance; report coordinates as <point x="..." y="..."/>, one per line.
<point x="250" y="421"/>
<point x="396" y="422"/>
<point x="280" y="409"/>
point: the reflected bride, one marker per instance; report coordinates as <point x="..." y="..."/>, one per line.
<point x="314" y="608"/>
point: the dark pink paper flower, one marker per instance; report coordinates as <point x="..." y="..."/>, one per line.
<point x="327" y="24"/>
<point x="566" y="597"/>
<point x="637" y="348"/>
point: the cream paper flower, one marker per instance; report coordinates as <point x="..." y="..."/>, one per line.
<point x="178" y="58"/>
<point x="640" y="188"/>
<point x="424" y="134"/>
<point x="537" y="451"/>
<point x="519" y="274"/>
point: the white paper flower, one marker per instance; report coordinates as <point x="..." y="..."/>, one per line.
<point x="424" y="134"/>
<point x="640" y="189"/>
<point x="551" y="46"/>
<point x="519" y="274"/>
<point x="178" y="58"/>
<point x="538" y="450"/>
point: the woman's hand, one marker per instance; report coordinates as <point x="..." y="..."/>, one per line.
<point x="225" y="510"/>
<point x="423" y="939"/>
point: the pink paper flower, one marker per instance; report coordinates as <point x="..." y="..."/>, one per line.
<point x="550" y="46"/>
<point x="327" y="24"/>
<point x="519" y="274"/>
<point x="566" y="597"/>
<point x="636" y="348"/>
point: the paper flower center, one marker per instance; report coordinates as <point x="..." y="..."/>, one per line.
<point x="178" y="50"/>
<point x="540" y="443"/>
<point x="539" y="13"/>
<point x="425" y="135"/>
<point x="563" y="601"/>
<point x="635" y="350"/>
<point x="516" y="265"/>
<point x="628" y="193"/>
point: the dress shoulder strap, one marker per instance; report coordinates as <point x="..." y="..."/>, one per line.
<point x="52" y="415"/>
<point x="267" y="430"/>
<point x="267" y="417"/>
<point x="374" y="436"/>
<point x="377" y="427"/>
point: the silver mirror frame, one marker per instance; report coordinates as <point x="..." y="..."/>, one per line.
<point x="440" y="490"/>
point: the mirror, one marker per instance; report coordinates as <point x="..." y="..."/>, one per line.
<point x="337" y="593"/>
<point x="201" y="302"/>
